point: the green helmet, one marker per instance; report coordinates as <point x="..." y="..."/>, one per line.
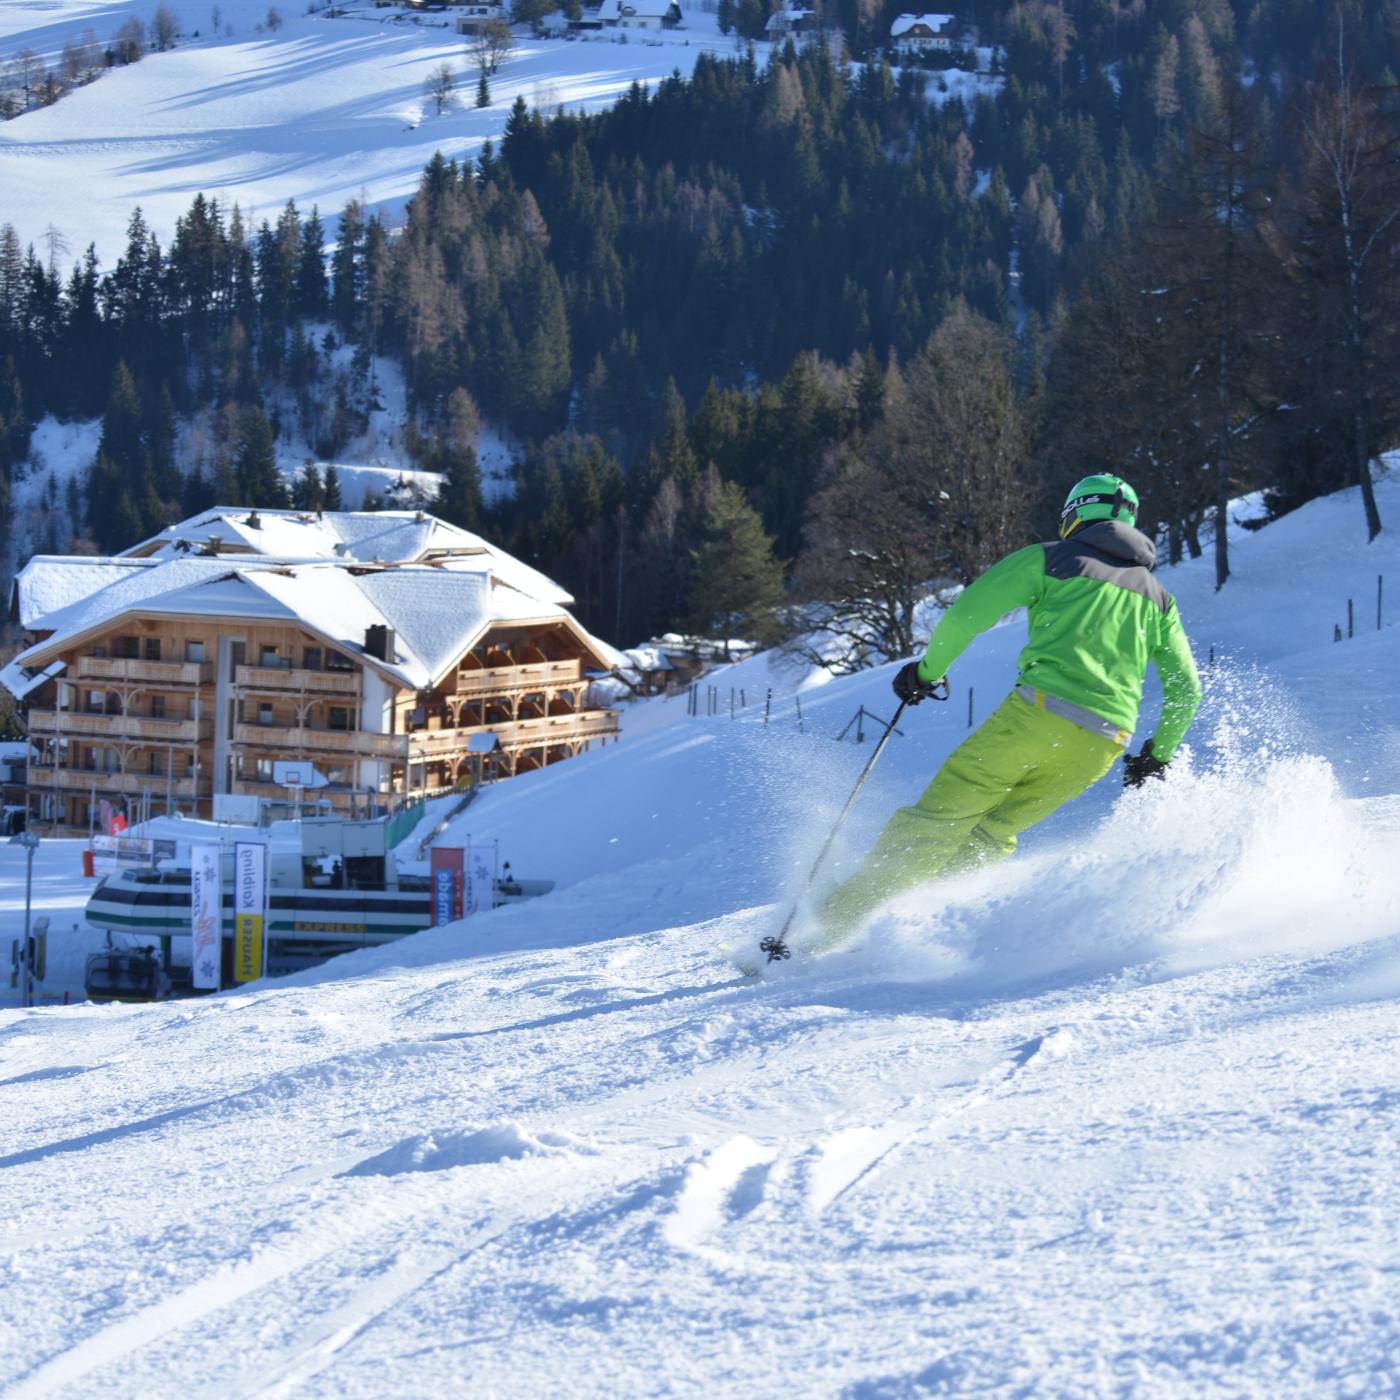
<point x="1101" y="497"/>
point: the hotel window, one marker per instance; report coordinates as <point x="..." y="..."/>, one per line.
<point x="311" y="658"/>
<point x="264" y="714"/>
<point x="157" y="707"/>
<point x="152" y="648"/>
<point x="339" y="718"/>
<point x="194" y="651"/>
<point x="264" y="770"/>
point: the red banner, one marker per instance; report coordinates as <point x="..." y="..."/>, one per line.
<point x="448" y="877"/>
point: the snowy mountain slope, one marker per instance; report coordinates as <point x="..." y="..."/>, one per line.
<point x="321" y="110"/>
<point x="1119" y="1117"/>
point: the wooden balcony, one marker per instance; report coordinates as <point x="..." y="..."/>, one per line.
<point x="138" y="727"/>
<point x="154" y="673"/>
<point x="511" y="680"/>
<point x="520" y="733"/>
<point x="274" y="680"/>
<point x="294" y="740"/>
<point x="83" y="780"/>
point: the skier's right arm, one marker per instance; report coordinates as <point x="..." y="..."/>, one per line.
<point x="1014" y="582"/>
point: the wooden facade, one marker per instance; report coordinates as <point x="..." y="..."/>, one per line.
<point x="156" y="712"/>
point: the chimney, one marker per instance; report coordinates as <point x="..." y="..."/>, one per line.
<point x="379" y="641"/>
<point x="213" y="544"/>
<point x="254" y="521"/>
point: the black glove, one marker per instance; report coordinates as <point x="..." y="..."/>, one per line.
<point x="911" y="687"/>
<point x="1139" y="767"/>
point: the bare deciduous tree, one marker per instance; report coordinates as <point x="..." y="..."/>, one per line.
<point x="490" y="45"/>
<point x="130" y="41"/>
<point x="1344" y="246"/>
<point x="440" y="88"/>
<point x="164" y="28"/>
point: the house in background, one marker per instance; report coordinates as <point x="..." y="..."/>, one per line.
<point x="791" y="19"/>
<point x="640" y="14"/>
<point x="472" y="19"/>
<point x="396" y="654"/>
<point x="915" y="33"/>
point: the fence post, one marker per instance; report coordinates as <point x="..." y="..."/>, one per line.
<point x="1351" y="619"/>
<point x="768" y="705"/>
<point x="1212" y="654"/>
<point x="797" y="700"/>
<point x="1380" y="588"/>
<point x="742" y="699"/>
<point x="969" y="707"/>
<point x="860" y="725"/>
<point x="1336" y="631"/>
<point x="731" y="702"/>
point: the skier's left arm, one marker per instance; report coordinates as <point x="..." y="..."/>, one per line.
<point x="1181" y="686"/>
<point x="1013" y="582"/>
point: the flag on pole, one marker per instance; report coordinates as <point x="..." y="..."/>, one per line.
<point x="249" y="906"/>
<point x="205" y="912"/>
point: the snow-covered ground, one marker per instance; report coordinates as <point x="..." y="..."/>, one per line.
<point x="320" y="110"/>
<point x="1120" y="1117"/>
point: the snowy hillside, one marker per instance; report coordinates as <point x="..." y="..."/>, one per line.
<point x="321" y="110"/>
<point x="1119" y="1117"/>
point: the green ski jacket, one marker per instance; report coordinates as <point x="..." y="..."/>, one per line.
<point x="1097" y="617"/>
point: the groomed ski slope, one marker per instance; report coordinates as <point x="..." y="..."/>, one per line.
<point x="1119" y="1117"/>
<point x="321" y="110"/>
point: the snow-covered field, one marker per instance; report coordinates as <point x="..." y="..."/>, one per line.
<point x="1121" y="1117"/>
<point x="320" y="110"/>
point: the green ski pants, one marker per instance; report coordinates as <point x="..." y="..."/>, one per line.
<point x="1021" y="765"/>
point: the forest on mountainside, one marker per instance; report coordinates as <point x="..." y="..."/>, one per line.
<point x="812" y="323"/>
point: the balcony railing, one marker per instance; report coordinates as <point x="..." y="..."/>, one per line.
<point x="138" y="727"/>
<point x="112" y="668"/>
<point x="297" y="679"/>
<point x="508" y="680"/>
<point x="520" y="733"/>
<point x="423" y="743"/>
<point x="87" y="780"/>
<point x="295" y="739"/>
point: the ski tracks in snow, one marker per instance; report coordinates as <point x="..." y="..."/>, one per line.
<point x="799" y="1176"/>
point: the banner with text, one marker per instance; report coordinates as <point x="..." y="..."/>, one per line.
<point x="481" y="879"/>
<point x="249" y="909"/>
<point x="205" y="911"/>
<point x="448" y="876"/>
<point x="112" y="853"/>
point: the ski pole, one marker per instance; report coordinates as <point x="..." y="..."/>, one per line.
<point x="776" y="947"/>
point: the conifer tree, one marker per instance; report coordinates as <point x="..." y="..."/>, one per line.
<point x="738" y="582"/>
<point x="255" y="465"/>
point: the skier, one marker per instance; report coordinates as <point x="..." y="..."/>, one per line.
<point x="1097" y="617"/>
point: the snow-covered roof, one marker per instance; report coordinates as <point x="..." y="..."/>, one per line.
<point x="49" y="582"/>
<point x="436" y="613"/>
<point x="904" y="23"/>
<point x="380" y="536"/>
<point x="646" y="9"/>
<point x="787" y="17"/>
<point x="647" y="658"/>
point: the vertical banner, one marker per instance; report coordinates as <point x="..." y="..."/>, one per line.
<point x="447" y="868"/>
<point x="481" y="878"/>
<point x="249" y="907"/>
<point x="205" y="912"/>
